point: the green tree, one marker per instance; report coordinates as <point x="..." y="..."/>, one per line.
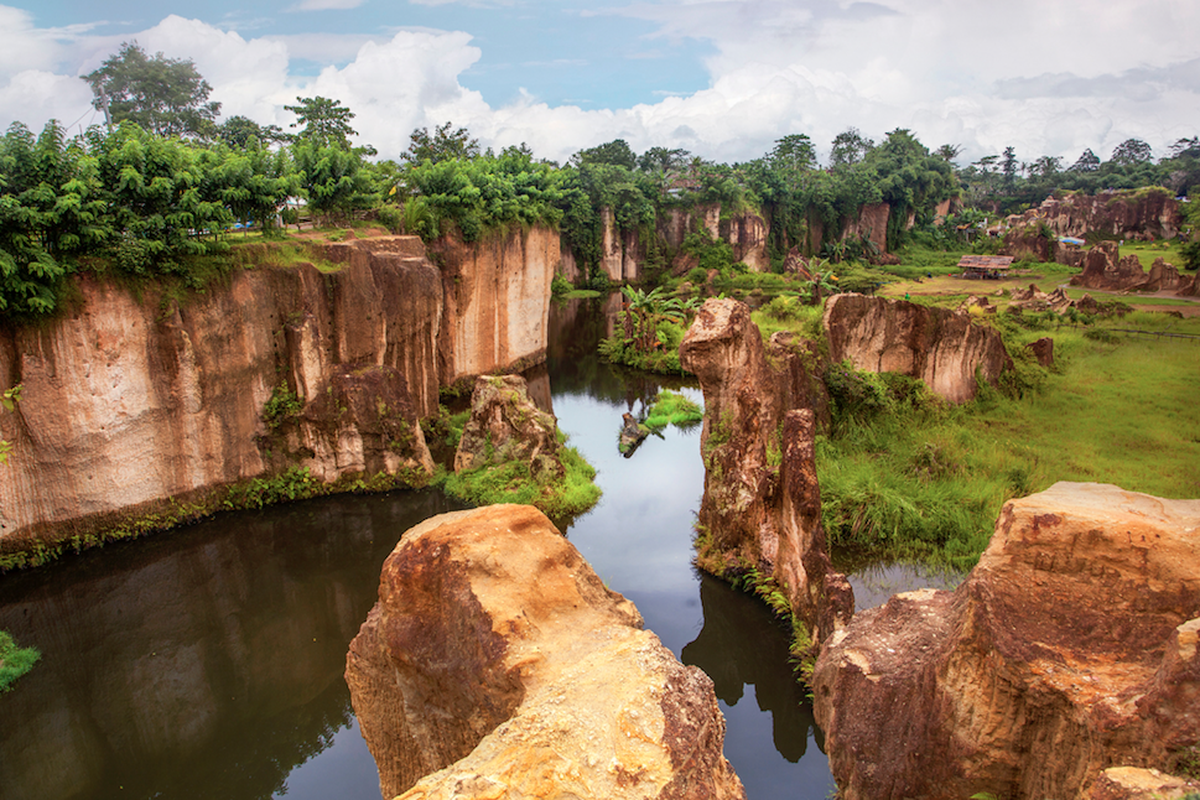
<point x="332" y="178"/>
<point x="441" y="145"/>
<point x="165" y="96"/>
<point x="793" y="154"/>
<point x="617" y="152"/>
<point x="323" y="122"/>
<point x="948" y="152"/>
<point x="1132" y="151"/>
<point x="238" y="131"/>
<point x="849" y="147"/>
<point x="253" y="182"/>
<point x="1087" y="162"/>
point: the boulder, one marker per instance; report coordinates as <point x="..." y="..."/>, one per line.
<point x="505" y="425"/>
<point x="1103" y="268"/>
<point x="1043" y="351"/>
<point x="761" y="509"/>
<point x="943" y="348"/>
<point x="497" y="665"/>
<point x="1071" y="647"/>
<point x="1133" y="783"/>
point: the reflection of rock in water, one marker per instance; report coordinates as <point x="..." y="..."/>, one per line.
<point x="741" y="643"/>
<point x="205" y="663"/>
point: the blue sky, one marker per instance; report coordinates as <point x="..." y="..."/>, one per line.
<point x="721" y="78"/>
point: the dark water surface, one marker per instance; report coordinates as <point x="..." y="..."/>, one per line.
<point x="208" y="662"/>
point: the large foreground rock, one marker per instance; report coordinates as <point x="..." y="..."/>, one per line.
<point x="496" y="664"/>
<point x="1071" y="647"/>
<point x="945" y="349"/>
<point x="761" y="508"/>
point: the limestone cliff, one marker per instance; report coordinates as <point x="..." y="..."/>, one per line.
<point x="497" y="665"/>
<point x="761" y="509"/>
<point x="1070" y="648"/>
<point x="138" y="409"/>
<point x="941" y="347"/>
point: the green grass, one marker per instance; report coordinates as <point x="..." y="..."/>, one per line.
<point x="1147" y="252"/>
<point x="559" y="497"/>
<point x="14" y="661"/>
<point x="672" y="408"/>
<point x="927" y="481"/>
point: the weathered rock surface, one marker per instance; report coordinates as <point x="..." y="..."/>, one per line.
<point x="506" y="425"/>
<point x="497" y="302"/>
<point x="1070" y="648"/>
<point x="762" y="505"/>
<point x="1139" y="214"/>
<point x="128" y="404"/>
<point x="1133" y="783"/>
<point x="943" y="348"/>
<point x="496" y="664"/>
<point x="135" y="407"/>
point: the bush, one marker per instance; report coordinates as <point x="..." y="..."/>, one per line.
<point x="14" y="661"/>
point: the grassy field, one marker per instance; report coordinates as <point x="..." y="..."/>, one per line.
<point x="912" y="477"/>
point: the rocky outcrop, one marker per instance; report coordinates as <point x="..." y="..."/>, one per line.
<point x="1133" y="783"/>
<point x="870" y="223"/>
<point x="496" y="664"/>
<point x="505" y="426"/>
<point x="761" y="509"/>
<point x="497" y="307"/>
<point x="1146" y="214"/>
<point x="131" y="406"/>
<point x="1070" y="648"/>
<point x="943" y="348"/>
<point x="140" y="410"/>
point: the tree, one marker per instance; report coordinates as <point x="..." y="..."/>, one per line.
<point x="331" y="176"/>
<point x="948" y="152"/>
<point x="443" y="144"/>
<point x="1087" y="162"/>
<point x="616" y="152"/>
<point x="662" y="160"/>
<point x="793" y="153"/>
<point x="237" y="131"/>
<point x="1008" y="166"/>
<point x="849" y="147"/>
<point x="1046" y="166"/>
<point x="165" y="96"/>
<point x="1132" y="151"/>
<point x="326" y="123"/>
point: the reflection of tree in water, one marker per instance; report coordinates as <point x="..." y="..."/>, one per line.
<point x="742" y="643"/>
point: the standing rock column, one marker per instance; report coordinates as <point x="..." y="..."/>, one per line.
<point x="762" y="505"/>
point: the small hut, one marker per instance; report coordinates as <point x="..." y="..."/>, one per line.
<point x="989" y="267"/>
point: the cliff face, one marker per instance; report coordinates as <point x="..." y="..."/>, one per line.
<point x="133" y="405"/>
<point x="496" y="664"/>
<point x="941" y="347"/>
<point x="761" y="507"/>
<point x="497" y="302"/>
<point x="1070" y="648"/>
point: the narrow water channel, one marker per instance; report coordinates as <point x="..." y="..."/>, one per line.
<point x="208" y="662"/>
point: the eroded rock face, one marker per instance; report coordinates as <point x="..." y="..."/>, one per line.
<point x="130" y="403"/>
<point x="496" y="664"/>
<point x="505" y="425"/>
<point x="1137" y="214"/>
<point x="1070" y="648"/>
<point x="762" y="505"/>
<point x="943" y="348"/>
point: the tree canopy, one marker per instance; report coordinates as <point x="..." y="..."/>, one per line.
<point x="441" y="145"/>
<point x="165" y="96"/>
<point x="323" y="122"/>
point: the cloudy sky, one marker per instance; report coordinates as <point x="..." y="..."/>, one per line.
<point x="721" y="78"/>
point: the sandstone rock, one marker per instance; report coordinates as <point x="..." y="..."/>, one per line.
<point x="1043" y="351"/>
<point x="942" y="348"/>
<point x="497" y="305"/>
<point x="497" y="665"/>
<point x="132" y="405"/>
<point x="1104" y="269"/>
<point x="1137" y="214"/>
<point x="761" y="507"/>
<point x="1133" y="783"/>
<point x="1071" y="647"/>
<point x="505" y="425"/>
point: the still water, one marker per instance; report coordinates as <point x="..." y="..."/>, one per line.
<point x="208" y="662"/>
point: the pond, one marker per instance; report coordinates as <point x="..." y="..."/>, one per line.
<point x="208" y="662"/>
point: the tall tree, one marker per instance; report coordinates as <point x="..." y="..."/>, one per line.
<point x="323" y="122"/>
<point x="1132" y="151"/>
<point x="1008" y="166"/>
<point x="441" y="145"/>
<point x="1087" y="162"/>
<point x="616" y="152"/>
<point x="237" y="131"/>
<point x="948" y="152"/>
<point x="849" y="147"/>
<point x="165" y="96"/>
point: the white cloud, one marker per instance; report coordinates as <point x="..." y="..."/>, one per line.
<point x="1033" y="74"/>
<point x="326" y="5"/>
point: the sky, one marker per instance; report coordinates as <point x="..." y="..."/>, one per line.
<point x="723" y="79"/>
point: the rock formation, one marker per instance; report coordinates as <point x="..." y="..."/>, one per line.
<point x="761" y="508"/>
<point x="1138" y="214"/>
<point x="138" y="411"/>
<point x="943" y="348"/>
<point x="505" y="425"/>
<point x="1070" y="648"/>
<point x="497" y="308"/>
<point x="496" y="664"/>
<point x="1133" y="783"/>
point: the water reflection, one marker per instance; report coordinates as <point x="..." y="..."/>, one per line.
<point x="207" y="663"/>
